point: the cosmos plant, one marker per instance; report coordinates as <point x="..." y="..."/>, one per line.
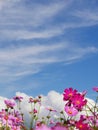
<point x="70" y="118"/>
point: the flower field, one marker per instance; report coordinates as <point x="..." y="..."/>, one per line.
<point x="78" y="113"/>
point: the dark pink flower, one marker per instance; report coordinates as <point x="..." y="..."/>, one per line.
<point x="69" y="93"/>
<point x="79" y="101"/>
<point x="34" y="111"/>
<point x="82" y="126"/>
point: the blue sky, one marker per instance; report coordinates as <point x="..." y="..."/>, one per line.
<point x="48" y="45"/>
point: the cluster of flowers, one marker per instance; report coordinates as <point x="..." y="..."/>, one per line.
<point x="75" y="103"/>
<point x="71" y="117"/>
<point x="10" y="119"/>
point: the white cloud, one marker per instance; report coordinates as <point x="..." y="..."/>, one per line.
<point x="2" y="105"/>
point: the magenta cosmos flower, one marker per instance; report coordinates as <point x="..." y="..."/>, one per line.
<point x="69" y="93"/>
<point x="79" y="101"/>
<point x="95" y="89"/>
<point x="82" y="126"/>
<point x="34" y="110"/>
<point x="71" y="111"/>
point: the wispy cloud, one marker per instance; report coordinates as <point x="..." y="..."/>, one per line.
<point x="19" y="21"/>
<point x="25" y="60"/>
<point x="16" y="62"/>
<point x="87" y="17"/>
<point x="33" y="35"/>
<point x="23" y="22"/>
<point x="26" y="34"/>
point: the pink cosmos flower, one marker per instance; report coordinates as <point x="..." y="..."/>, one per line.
<point x="50" y="109"/>
<point x="82" y="126"/>
<point x="60" y="128"/>
<point x="93" y="120"/>
<point x="9" y="103"/>
<point x="71" y="111"/>
<point x="84" y="93"/>
<point x="2" y="113"/>
<point x="18" y="98"/>
<point x="33" y="100"/>
<point x="43" y="127"/>
<point x="79" y="101"/>
<point x="34" y="111"/>
<point x="69" y="93"/>
<point x="95" y="89"/>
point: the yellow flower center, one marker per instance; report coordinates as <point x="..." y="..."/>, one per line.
<point x="78" y="102"/>
<point x="70" y="112"/>
<point x="70" y="94"/>
<point x="80" y="126"/>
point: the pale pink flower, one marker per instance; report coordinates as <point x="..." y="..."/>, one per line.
<point x="60" y="128"/>
<point x="43" y="127"/>
<point x="18" y="98"/>
<point x="9" y="103"/>
<point x="95" y="89"/>
<point x="71" y="111"/>
<point x="50" y="109"/>
<point x="33" y="100"/>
